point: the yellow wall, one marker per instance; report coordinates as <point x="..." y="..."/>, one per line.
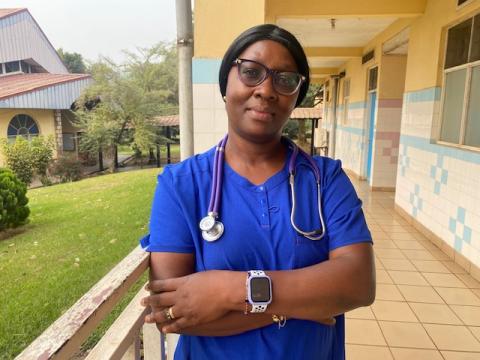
<point x="392" y="78"/>
<point x="218" y="22"/>
<point x="44" y="119"/>
<point x="337" y="8"/>
<point x="426" y="46"/>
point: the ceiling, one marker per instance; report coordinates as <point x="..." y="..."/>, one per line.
<point x="342" y="32"/>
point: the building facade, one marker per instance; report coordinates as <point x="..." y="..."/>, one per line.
<point x="401" y="84"/>
<point x="36" y="89"/>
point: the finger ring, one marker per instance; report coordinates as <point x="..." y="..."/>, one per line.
<point x="169" y="313"/>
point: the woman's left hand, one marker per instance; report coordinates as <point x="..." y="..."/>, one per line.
<point x="193" y="299"/>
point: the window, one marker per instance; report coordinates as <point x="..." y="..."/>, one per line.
<point x="346" y="99"/>
<point x="25" y="67"/>
<point x="68" y="142"/>
<point x="12" y="66"/>
<point x="460" y="121"/>
<point x="22" y="125"/>
<point x="372" y="78"/>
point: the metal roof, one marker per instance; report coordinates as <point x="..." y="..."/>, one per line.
<point x="168" y="120"/>
<point x="306" y="113"/>
<point x="22" y="38"/>
<point x="41" y="91"/>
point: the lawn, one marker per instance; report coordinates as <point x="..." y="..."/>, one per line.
<point x="77" y="233"/>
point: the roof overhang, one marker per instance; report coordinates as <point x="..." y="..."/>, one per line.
<point x="334" y="32"/>
<point x="41" y="91"/>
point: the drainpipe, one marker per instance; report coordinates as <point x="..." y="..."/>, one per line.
<point x="185" y="95"/>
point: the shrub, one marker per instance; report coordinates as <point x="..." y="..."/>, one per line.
<point x="29" y="158"/>
<point x="13" y="200"/>
<point x="19" y="158"/>
<point x="67" y="168"/>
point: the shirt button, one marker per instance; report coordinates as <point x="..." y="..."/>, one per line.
<point x="260" y="188"/>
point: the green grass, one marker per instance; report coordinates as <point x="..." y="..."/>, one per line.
<point x="77" y="233"/>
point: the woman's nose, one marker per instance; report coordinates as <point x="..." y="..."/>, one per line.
<point x="266" y="90"/>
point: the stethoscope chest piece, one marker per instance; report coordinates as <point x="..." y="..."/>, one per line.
<point x="214" y="233"/>
<point x="207" y="223"/>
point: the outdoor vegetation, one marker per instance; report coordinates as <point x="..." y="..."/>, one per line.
<point x="76" y="234"/>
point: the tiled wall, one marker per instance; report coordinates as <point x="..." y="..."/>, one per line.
<point x="438" y="185"/>
<point x="351" y="137"/>
<point x="387" y="135"/>
<point x="209" y="116"/>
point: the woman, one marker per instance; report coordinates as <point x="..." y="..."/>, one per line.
<point x="262" y="290"/>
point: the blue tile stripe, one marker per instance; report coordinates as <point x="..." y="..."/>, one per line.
<point x="352" y="130"/>
<point x="464" y="233"/>
<point x="430" y="94"/>
<point x="442" y="150"/>
<point x="416" y="201"/>
<point x="205" y="71"/>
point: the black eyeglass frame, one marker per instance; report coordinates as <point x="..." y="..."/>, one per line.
<point x="269" y="72"/>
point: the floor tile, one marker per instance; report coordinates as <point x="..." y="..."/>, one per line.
<point x="457" y="355"/>
<point x="401" y="236"/>
<point x="445" y="280"/>
<point x="389" y="254"/>
<point x="425" y="294"/>
<point x="418" y="254"/>
<point x="470" y="315"/>
<point x="451" y="337"/>
<point x="384" y="244"/>
<point x="415" y="354"/>
<point x="388" y="292"/>
<point x="430" y="266"/>
<point x="469" y="281"/>
<point x="398" y="264"/>
<point x="390" y="229"/>
<point x="365" y="352"/>
<point x="364" y="312"/>
<point x="383" y="277"/>
<point x="456" y="296"/>
<point x="435" y="313"/>
<point x="475" y="331"/>
<point x="407" y="277"/>
<point x="409" y="245"/>
<point x="453" y="267"/>
<point x="401" y="334"/>
<point x="363" y="332"/>
<point x="393" y="311"/>
<point x="439" y="255"/>
<point x="378" y="264"/>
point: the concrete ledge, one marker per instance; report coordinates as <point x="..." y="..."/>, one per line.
<point x="383" y="188"/>
<point x="458" y="258"/>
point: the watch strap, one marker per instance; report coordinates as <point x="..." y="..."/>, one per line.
<point x="256" y="308"/>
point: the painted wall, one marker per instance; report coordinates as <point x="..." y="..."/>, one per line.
<point x="43" y="118"/>
<point x="436" y="184"/>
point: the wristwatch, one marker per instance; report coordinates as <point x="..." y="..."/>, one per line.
<point x="259" y="290"/>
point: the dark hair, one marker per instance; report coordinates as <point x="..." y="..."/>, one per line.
<point x="266" y="32"/>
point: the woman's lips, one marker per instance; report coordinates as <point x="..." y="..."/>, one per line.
<point x="260" y="114"/>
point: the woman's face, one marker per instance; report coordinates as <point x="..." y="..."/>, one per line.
<point x="259" y="113"/>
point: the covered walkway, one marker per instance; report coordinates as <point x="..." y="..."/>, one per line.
<point x="427" y="307"/>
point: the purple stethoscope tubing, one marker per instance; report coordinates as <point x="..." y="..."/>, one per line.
<point x="214" y="229"/>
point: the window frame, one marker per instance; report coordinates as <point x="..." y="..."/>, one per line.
<point x="466" y="96"/>
<point x="29" y="136"/>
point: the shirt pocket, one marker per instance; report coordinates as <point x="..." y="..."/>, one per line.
<point x="310" y="252"/>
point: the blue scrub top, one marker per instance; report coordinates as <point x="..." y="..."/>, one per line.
<point x="258" y="236"/>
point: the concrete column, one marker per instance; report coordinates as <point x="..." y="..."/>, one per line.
<point x="58" y="131"/>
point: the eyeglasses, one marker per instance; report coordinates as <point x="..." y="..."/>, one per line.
<point x="253" y="73"/>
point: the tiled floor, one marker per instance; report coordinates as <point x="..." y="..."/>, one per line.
<point x="427" y="307"/>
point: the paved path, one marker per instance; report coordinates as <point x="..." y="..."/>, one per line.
<point x="427" y="307"/>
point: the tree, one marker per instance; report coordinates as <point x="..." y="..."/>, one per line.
<point x="73" y="61"/>
<point x="125" y="98"/>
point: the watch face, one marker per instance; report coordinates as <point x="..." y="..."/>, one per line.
<point x="260" y="289"/>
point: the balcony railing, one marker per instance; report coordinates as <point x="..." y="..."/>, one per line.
<point x="62" y="340"/>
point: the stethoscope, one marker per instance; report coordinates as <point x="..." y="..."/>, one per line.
<point x="212" y="228"/>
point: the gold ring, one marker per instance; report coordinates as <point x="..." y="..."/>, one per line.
<point x="169" y="313"/>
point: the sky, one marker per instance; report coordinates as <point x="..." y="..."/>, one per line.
<point x="102" y="27"/>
